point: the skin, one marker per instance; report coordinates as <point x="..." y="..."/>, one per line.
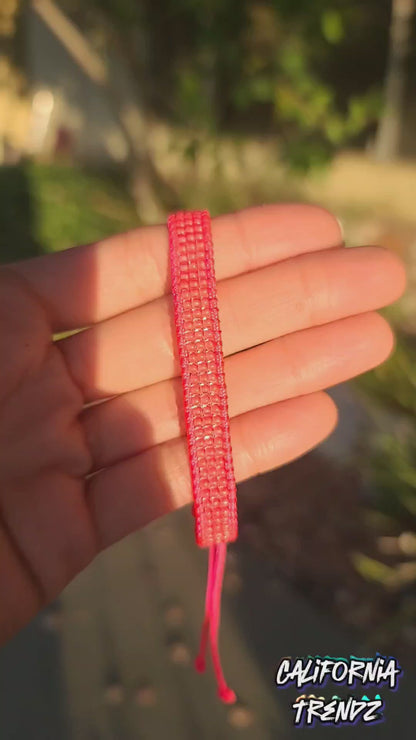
<point x="92" y="442"/>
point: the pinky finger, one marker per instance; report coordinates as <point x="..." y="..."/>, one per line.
<point x="132" y="493"/>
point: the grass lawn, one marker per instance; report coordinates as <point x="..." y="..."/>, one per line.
<point x="45" y="208"/>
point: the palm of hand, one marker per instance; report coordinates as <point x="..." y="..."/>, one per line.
<point x="46" y="533"/>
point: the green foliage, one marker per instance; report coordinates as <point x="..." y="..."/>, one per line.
<point x="190" y="98"/>
<point x="392" y="386"/>
<point x="51" y="207"/>
<point x="276" y="57"/>
<point x="392" y="577"/>
<point x="17" y="240"/>
<point x="372" y="570"/>
<point x="332" y="24"/>
<point x="280" y="64"/>
<point x="303" y="98"/>
<point x="391" y="461"/>
<point x="394" y="474"/>
<point x="394" y="382"/>
<point x="74" y="207"/>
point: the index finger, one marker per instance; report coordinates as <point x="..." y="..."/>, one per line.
<point x="88" y="284"/>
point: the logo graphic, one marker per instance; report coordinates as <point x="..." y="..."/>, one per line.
<point x="315" y="672"/>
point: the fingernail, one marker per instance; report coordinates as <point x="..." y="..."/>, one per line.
<point x="341" y="228"/>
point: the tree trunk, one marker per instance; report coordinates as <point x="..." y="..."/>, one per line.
<point x="388" y="139"/>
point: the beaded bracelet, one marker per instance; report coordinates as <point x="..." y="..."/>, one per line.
<point x="206" y="411"/>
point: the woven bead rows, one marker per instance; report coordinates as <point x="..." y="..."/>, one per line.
<point x="202" y="366"/>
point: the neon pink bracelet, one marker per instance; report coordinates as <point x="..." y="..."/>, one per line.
<point x="206" y="411"/>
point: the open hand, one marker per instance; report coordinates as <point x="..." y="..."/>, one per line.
<point x="297" y="316"/>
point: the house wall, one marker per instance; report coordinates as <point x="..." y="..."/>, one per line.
<point x="81" y="115"/>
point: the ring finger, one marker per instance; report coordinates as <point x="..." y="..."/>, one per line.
<point x="294" y="365"/>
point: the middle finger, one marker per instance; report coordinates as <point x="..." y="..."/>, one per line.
<point x="137" y="348"/>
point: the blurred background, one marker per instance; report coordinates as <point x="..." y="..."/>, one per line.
<point x="112" y="114"/>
